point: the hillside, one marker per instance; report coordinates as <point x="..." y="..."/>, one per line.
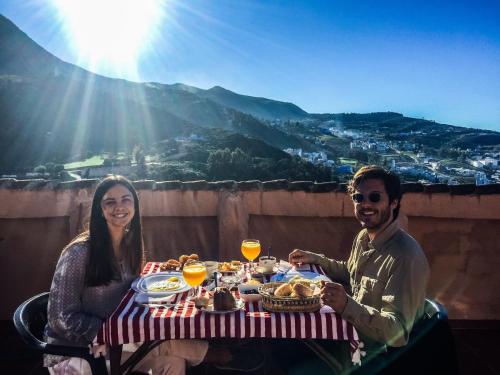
<point x="258" y="107"/>
<point x="61" y="110"/>
<point x="55" y="111"/>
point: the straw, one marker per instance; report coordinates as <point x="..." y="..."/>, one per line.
<point x="269" y="252"/>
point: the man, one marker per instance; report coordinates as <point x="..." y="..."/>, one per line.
<point x="387" y="270"/>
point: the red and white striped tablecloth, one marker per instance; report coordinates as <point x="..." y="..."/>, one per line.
<point x="132" y="322"/>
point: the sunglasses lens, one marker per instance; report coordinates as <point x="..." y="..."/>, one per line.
<point x="358" y="198"/>
<point x="372" y="197"/>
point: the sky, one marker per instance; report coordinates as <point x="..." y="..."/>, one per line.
<point x="438" y="60"/>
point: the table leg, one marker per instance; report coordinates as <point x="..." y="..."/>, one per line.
<point x="115" y="355"/>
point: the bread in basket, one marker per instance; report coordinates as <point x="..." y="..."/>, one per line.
<point x="273" y="303"/>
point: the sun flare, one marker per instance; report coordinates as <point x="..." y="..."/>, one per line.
<point x="110" y="32"/>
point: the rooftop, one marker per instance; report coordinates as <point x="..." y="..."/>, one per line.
<point x="457" y="227"/>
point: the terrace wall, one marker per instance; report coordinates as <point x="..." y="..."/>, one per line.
<point x="458" y="227"/>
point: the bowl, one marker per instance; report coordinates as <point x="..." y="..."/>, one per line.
<point x="212" y="266"/>
<point x="249" y="292"/>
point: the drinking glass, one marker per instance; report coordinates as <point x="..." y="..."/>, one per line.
<point x="194" y="274"/>
<point x="250" y="250"/>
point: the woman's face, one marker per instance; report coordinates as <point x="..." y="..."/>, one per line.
<point x="118" y="206"/>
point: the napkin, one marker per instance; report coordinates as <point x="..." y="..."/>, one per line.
<point x="284" y="266"/>
<point x="144" y="298"/>
<point x="283" y="269"/>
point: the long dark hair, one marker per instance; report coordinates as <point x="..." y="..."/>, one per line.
<point x="102" y="266"/>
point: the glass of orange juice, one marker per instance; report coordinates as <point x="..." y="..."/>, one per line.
<point x="250" y="250"/>
<point x="194" y="274"/>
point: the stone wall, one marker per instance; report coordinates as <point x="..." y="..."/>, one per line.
<point x="457" y="226"/>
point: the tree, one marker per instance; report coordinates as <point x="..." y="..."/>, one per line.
<point x="226" y="164"/>
<point x="218" y="162"/>
<point x="241" y="165"/>
<point x="138" y="154"/>
<point x="56" y="172"/>
<point x="374" y="158"/>
<point x="140" y="159"/>
<point x="40" y="169"/>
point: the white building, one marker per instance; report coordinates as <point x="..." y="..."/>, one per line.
<point x="481" y="179"/>
<point x="294" y="151"/>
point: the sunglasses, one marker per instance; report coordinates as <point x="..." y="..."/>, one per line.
<point x="372" y="197"/>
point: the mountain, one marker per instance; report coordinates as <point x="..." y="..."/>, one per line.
<point x="52" y="110"/>
<point x="258" y="107"/>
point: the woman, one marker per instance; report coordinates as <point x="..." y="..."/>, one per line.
<point x="93" y="274"/>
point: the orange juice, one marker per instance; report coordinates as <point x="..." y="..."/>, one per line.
<point x="194" y="274"/>
<point x="250" y="249"/>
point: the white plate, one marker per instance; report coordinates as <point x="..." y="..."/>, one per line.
<point x="210" y="308"/>
<point x="313" y="276"/>
<point x="261" y="270"/>
<point x="142" y="284"/>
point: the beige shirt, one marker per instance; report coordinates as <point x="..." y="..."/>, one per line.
<point x="388" y="278"/>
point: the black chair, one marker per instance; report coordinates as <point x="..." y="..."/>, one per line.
<point x="430" y="348"/>
<point x="30" y="319"/>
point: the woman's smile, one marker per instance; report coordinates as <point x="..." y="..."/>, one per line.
<point x="118" y="206"/>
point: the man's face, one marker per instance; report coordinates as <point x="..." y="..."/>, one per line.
<point x="372" y="215"/>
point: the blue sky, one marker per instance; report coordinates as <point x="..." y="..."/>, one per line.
<point x="434" y="59"/>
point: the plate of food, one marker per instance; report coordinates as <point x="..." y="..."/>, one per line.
<point x="161" y="283"/>
<point x="176" y="265"/>
<point x="222" y="302"/>
<point x="233" y="266"/>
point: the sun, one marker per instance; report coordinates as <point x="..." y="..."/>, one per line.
<point x="110" y="32"/>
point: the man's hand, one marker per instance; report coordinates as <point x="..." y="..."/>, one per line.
<point x="333" y="295"/>
<point x="298" y="256"/>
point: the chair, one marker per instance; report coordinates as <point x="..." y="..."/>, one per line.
<point x="430" y="348"/>
<point x="30" y="319"/>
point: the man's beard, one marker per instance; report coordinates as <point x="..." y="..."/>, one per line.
<point x="384" y="216"/>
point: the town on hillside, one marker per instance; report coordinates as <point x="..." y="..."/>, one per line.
<point x="332" y="151"/>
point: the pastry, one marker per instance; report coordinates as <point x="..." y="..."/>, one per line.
<point x="283" y="290"/>
<point x="201" y="302"/>
<point x="183" y="259"/>
<point x="301" y="290"/>
<point x="170" y="265"/>
<point x="223" y="299"/>
<point x="254" y="282"/>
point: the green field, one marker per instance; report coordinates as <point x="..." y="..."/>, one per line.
<point x="90" y="162"/>
<point x="352" y="162"/>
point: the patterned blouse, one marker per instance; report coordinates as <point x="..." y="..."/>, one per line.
<point x="75" y="311"/>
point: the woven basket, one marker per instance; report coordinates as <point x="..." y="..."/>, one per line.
<point x="272" y="303"/>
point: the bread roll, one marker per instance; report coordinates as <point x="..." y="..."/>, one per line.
<point x="302" y="291"/>
<point x="201" y="302"/>
<point x="283" y="290"/>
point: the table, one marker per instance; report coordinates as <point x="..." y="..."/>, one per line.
<point x="132" y="322"/>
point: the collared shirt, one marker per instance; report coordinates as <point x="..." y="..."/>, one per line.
<point x="388" y="278"/>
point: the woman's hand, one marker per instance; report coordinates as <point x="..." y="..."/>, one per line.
<point x="98" y="350"/>
<point x="297" y="257"/>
